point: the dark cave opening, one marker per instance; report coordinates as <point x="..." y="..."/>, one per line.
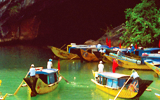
<point x="78" y="21"/>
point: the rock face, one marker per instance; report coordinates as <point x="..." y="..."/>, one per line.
<point x="18" y="18"/>
<point x="65" y="21"/>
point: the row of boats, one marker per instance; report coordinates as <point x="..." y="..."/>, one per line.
<point x="112" y="83"/>
<point x="119" y="85"/>
<point x="144" y="59"/>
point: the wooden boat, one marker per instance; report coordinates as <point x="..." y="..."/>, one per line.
<point x="63" y="54"/>
<point x="126" y="62"/>
<point x="157" y="95"/>
<point x="151" y="56"/>
<point x="87" y="56"/>
<point x="46" y="80"/>
<point x="112" y="83"/>
<point x="139" y="52"/>
<point x="154" y="65"/>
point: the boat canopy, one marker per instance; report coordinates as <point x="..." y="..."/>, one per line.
<point x="112" y="80"/>
<point x="151" y="49"/>
<point x="47" y="71"/>
<point x="111" y="75"/>
<point x="147" y="50"/>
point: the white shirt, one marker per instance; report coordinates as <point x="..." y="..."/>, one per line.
<point x="102" y="51"/>
<point x="49" y="65"/>
<point x="100" y="68"/>
<point x="32" y="72"/>
<point x="118" y="53"/>
<point x="134" y="75"/>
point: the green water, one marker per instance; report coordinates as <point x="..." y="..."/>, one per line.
<point x="16" y="60"/>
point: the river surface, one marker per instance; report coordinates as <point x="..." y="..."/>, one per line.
<point x="15" y="62"/>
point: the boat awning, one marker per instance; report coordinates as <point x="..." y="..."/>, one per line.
<point x="47" y="71"/>
<point x="151" y="49"/>
<point x="111" y="75"/>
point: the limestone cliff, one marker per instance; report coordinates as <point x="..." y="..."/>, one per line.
<point x="60" y="21"/>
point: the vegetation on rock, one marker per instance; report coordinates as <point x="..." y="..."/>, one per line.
<point x="142" y="25"/>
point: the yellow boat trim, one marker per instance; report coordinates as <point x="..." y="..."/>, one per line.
<point x="125" y="93"/>
<point x="42" y="87"/>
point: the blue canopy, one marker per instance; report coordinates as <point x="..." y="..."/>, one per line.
<point x="46" y="71"/>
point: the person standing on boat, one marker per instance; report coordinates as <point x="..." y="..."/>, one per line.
<point x="102" y="50"/>
<point x="132" y="48"/>
<point x="100" y="70"/>
<point x="135" y="75"/>
<point x="100" y="67"/>
<point x="119" y="53"/>
<point x="133" y="86"/>
<point x="49" y="64"/>
<point x="128" y="51"/>
<point x="32" y="71"/>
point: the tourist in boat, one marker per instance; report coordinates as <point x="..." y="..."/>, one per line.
<point x="102" y="50"/>
<point x="128" y="51"/>
<point x="135" y="75"/>
<point x="32" y="71"/>
<point x="100" y="67"/>
<point x="119" y="53"/>
<point x="49" y="64"/>
<point x="133" y="86"/>
<point x="132" y="48"/>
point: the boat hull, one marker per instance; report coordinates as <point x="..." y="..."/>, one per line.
<point x="37" y="86"/>
<point x="88" y="56"/>
<point x="157" y="95"/>
<point x="126" y="63"/>
<point x="154" y="68"/>
<point x="63" y="54"/>
<point x="123" y="94"/>
<point x="126" y="92"/>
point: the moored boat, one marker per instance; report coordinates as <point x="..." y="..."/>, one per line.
<point x="46" y="80"/>
<point x="126" y="62"/>
<point x="154" y="65"/>
<point x="157" y="95"/>
<point x="87" y="56"/>
<point x="112" y="83"/>
<point x="63" y="54"/>
<point x="151" y="56"/>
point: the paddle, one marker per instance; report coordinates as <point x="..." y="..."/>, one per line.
<point x="64" y="78"/>
<point x="122" y="87"/>
<point x="62" y="46"/>
<point x="73" y="57"/>
<point x="154" y="88"/>
<point x="20" y="85"/>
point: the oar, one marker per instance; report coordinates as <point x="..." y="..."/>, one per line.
<point x="154" y="88"/>
<point x="73" y="57"/>
<point x="122" y="87"/>
<point x="64" y="78"/>
<point x="5" y="96"/>
<point x="20" y="85"/>
<point x="62" y="46"/>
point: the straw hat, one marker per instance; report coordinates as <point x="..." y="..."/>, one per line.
<point x="133" y="70"/>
